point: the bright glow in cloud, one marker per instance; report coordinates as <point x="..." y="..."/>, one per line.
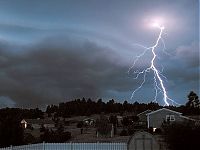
<point x="157" y="22"/>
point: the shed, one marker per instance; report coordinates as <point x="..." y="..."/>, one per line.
<point x="143" y="141"/>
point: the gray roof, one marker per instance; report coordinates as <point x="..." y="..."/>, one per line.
<point x="165" y="110"/>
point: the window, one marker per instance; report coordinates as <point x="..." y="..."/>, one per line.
<point x="170" y="118"/>
<point x="167" y="117"/>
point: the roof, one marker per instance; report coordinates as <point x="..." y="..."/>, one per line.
<point x="153" y="112"/>
<point x="145" y="112"/>
<point x="23" y="121"/>
<point x="88" y="119"/>
<point x="188" y="118"/>
<point x="195" y="117"/>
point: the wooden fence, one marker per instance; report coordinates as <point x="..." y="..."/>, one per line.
<point x="70" y="146"/>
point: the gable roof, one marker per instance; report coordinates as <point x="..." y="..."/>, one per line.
<point x="23" y="121"/>
<point x="153" y="112"/>
<point x="188" y="118"/>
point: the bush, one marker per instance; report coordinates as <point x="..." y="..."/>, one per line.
<point x="42" y="128"/>
<point x="131" y="131"/>
<point x="150" y="130"/>
<point x="55" y="137"/>
<point x="66" y="135"/>
<point x="66" y="123"/>
<point x="135" y="118"/>
<point x="11" y="131"/>
<point x="79" y="124"/>
<point x="158" y="131"/>
<point x="123" y="133"/>
<point x="29" y="138"/>
<point x="182" y="136"/>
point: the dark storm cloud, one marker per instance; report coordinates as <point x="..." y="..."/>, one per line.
<point x="182" y="70"/>
<point x="56" y="50"/>
<point x="184" y="64"/>
<point x="189" y="54"/>
<point x="61" y="68"/>
<point x="48" y="73"/>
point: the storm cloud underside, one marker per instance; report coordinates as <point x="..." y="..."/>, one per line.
<point x="66" y="50"/>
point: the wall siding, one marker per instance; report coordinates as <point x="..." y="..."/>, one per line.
<point x="156" y="119"/>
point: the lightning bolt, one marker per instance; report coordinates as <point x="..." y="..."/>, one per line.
<point x="158" y="76"/>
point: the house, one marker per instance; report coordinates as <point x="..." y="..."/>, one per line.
<point x="24" y="123"/>
<point x="156" y="118"/>
<point x="37" y="123"/>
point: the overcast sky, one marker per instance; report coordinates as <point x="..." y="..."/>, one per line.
<point x="56" y="50"/>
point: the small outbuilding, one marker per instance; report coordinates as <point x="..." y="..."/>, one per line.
<point x="143" y="141"/>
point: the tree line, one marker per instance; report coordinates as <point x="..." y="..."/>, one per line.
<point x="88" y="107"/>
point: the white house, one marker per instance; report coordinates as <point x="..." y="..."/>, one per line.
<point x="24" y="123"/>
<point x="156" y="118"/>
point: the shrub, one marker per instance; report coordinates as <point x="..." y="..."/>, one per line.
<point x="42" y="128"/>
<point x="29" y="138"/>
<point x="158" y="131"/>
<point x="79" y="124"/>
<point x="55" y="137"/>
<point x="123" y="133"/>
<point x="131" y="131"/>
<point x="66" y="135"/>
<point x="182" y="136"/>
<point x="150" y="130"/>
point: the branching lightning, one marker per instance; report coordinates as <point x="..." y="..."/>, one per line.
<point x="158" y="76"/>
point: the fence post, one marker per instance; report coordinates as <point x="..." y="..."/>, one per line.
<point x="71" y="147"/>
<point x="98" y="145"/>
<point x="43" y="145"/>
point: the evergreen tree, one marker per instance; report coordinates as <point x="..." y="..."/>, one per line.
<point x="193" y="100"/>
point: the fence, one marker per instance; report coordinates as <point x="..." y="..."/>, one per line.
<point x="70" y="146"/>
